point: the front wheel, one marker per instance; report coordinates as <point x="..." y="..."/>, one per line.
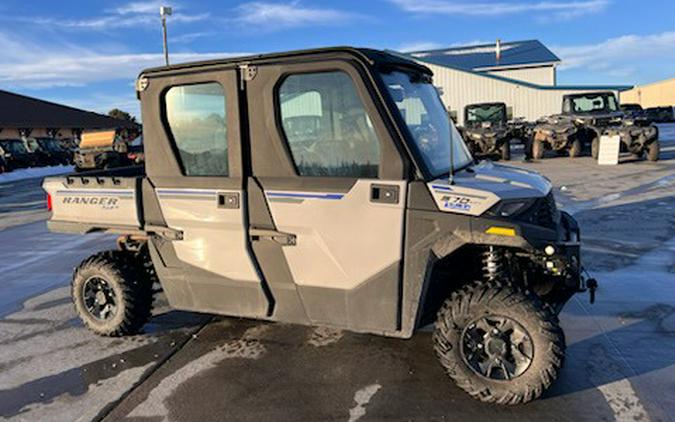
<point x="575" y="148"/>
<point x="499" y="343"/>
<point x="112" y="293"/>
<point x="505" y="150"/>
<point x="595" y="148"/>
<point x="537" y="149"/>
<point x="653" y="151"/>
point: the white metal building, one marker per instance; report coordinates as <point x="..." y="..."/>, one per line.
<point x="522" y="74"/>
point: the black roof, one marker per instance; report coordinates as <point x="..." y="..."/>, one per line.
<point x="368" y="55"/>
<point x="482" y="57"/>
<point x="20" y="111"/>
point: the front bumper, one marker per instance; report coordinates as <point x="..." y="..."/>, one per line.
<point x="565" y="261"/>
<point x="554" y="249"/>
<point x="635" y="138"/>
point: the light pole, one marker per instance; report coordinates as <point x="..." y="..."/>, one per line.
<point x="165" y="11"/>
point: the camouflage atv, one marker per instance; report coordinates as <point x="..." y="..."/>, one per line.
<point x="487" y="131"/>
<point x="585" y="118"/>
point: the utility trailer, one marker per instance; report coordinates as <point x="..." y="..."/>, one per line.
<point x="328" y="187"/>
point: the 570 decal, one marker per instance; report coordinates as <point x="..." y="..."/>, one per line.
<point x="457" y="202"/>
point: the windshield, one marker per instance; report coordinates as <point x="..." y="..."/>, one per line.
<point x="14" y="147"/>
<point x="429" y="124"/>
<point x="485" y="113"/>
<point x="591" y="103"/>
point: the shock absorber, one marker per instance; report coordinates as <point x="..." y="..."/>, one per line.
<point x="494" y="264"/>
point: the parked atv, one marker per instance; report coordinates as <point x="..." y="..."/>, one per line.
<point x="47" y="152"/>
<point x="101" y="150"/>
<point x="57" y="154"/>
<point x="558" y="133"/>
<point x="486" y="130"/>
<point x="585" y="118"/>
<point x="16" y="155"/>
<point x="633" y="111"/>
<point x="660" y="114"/>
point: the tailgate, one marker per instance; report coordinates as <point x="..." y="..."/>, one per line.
<point x="83" y="204"/>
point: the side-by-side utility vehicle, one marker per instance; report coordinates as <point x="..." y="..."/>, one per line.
<point x="328" y="187"/>
<point x="585" y="118"/>
<point x="486" y="130"/>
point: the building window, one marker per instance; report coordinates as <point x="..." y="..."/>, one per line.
<point x="197" y="118"/>
<point x="327" y="128"/>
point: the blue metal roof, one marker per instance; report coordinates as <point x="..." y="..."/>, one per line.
<point x="515" y="53"/>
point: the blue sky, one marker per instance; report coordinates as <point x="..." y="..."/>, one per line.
<point x="87" y="53"/>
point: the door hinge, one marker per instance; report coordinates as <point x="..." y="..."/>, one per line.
<point x="284" y="239"/>
<point x="246" y="74"/>
<point x="165" y="232"/>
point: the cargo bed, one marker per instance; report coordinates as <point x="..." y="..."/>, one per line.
<point x="96" y="201"/>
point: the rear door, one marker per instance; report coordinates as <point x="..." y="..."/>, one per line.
<point x="195" y="189"/>
<point x="330" y="178"/>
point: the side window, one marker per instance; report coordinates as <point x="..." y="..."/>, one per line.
<point x="198" y="122"/>
<point x="327" y="128"/>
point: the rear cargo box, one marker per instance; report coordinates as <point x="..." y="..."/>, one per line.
<point x="84" y="204"/>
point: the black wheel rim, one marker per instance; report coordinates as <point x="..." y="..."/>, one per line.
<point x="99" y="298"/>
<point x="497" y="348"/>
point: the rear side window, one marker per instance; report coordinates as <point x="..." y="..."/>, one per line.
<point x="197" y="119"/>
<point x="327" y="128"/>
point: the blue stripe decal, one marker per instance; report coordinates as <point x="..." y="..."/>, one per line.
<point x="186" y="193"/>
<point x="333" y="196"/>
<point x="444" y="188"/>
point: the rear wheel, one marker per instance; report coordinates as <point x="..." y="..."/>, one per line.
<point x="537" y="149"/>
<point x="112" y="293"/>
<point x="575" y="148"/>
<point x="595" y="148"/>
<point x="653" y="151"/>
<point x="505" y="150"/>
<point x="499" y="343"/>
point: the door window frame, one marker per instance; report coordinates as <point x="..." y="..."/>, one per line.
<point x="274" y="165"/>
<point x="163" y="166"/>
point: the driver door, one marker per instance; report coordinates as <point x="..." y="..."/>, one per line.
<point x="331" y="179"/>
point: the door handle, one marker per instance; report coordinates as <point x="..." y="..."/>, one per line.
<point x="284" y="239"/>
<point x="228" y="200"/>
<point x="384" y="194"/>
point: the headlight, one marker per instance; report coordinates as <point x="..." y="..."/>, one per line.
<point x="511" y="208"/>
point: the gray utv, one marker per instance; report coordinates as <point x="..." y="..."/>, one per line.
<point x="328" y="187"/>
<point x="585" y="118"/>
<point x="486" y="130"/>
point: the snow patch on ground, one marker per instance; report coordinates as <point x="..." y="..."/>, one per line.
<point x="362" y="398"/>
<point x="323" y="336"/>
<point x="32" y="173"/>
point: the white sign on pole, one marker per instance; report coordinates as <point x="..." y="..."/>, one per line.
<point x="609" y="150"/>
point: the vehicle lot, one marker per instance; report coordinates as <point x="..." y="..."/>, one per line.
<point x="621" y="351"/>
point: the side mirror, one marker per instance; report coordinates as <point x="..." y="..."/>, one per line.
<point x="509" y="113"/>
